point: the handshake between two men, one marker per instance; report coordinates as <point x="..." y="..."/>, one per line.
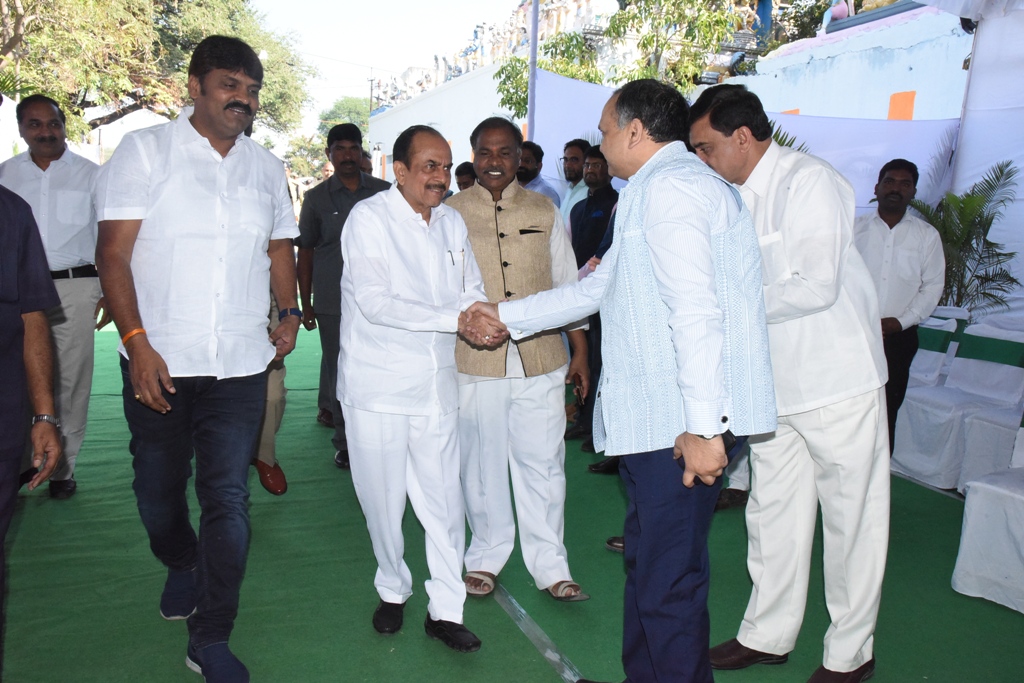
<point x="480" y="326"/>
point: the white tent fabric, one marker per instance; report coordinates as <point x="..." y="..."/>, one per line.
<point x="976" y="9"/>
<point x="568" y="109"/>
<point x="990" y="563"/>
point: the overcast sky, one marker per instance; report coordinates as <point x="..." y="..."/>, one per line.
<point x="346" y="40"/>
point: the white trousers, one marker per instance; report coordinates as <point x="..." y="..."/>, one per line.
<point x="73" y="326"/>
<point x="515" y="426"/>
<point x="394" y="456"/>
<point x="838" y="457"/>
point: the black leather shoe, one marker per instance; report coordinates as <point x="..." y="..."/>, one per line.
<point x="588" y="445"/>
<point x="341" y="459"/>
<point x="62" y="490"/>
<point x="862" y="673"/>
<point x="325" y="418"/>
<point x="455" y="636"/>
<point x="577" y="431"/>
<point x="388" y="617"/>
<point x="605" y="466"/>
<point x="617" y="544"/>
<point x="732" y="654"/>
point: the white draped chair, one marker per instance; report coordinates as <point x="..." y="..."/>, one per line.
<point x="986" y="382"/>
<point x="934" y="339"/>
<point x="990" y="563"/>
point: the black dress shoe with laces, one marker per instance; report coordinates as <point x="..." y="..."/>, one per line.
<point x="605" y="466"/>
<point x="388" y="617"/>
<point x="455" y="636"/>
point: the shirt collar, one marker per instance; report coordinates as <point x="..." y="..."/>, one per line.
<point x="399" y="210"/>
<point x="191" y="136"/>
<point x="334" y="183"/>
<point x="759" y="179"/>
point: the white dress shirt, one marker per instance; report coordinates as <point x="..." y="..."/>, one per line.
<point x="543" y="187"/>
<point x="823" y="323"/>
<point x="679" y="242"/>
<point x="906" y="263"/>
<point x="404" y="284"/>
<point x="61" y="201"/>
<point x="200" y="263"/>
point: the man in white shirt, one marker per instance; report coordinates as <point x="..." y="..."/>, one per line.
<point x="575" y="152"/>
<point x="58" y="185"/>
<point x="195" y="231"/>
<point x="409" y="275"/>
<point x="512" y="398"/>
<point x="530" y="164"/>
<point x="685" y="351"/>
<point x="904" y="255"/>
<point x="829" y="368"/>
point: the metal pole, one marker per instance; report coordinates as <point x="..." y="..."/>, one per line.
<point x="531" y="91"/>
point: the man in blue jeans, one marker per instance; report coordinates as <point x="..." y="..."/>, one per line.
<point x="195" y="230"/>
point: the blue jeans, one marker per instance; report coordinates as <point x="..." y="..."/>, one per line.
<point x="219" y="421"/>
<point x="666" y="627"/>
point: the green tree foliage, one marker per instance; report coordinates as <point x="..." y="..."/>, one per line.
<point x="305" y="156"/>
<point x="567" y="54"/>
<point x="347" y="110"/>
<point x="128" y="55"/>
<point x="976" y="276"/>
<point x="674" y="37"/>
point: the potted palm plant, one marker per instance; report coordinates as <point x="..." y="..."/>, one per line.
<point x="976" y="274"/>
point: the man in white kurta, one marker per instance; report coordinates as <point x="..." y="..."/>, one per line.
<point x="904" y="255"/>
<point x="58" y="185"/>
<point x="831" y="445"/>
<point x="409" y="274"/>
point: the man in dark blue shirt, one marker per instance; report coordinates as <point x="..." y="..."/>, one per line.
<point x="26" y="360"/>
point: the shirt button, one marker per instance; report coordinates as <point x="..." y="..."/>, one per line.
<point x="501" y="234"/>
<point x="508" y="293"/>
<point x="504" y="264"/>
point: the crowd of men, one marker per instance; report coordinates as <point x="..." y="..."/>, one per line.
<point x="724" y="305"/>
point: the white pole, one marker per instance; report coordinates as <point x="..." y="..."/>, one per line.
<point x="531" y="91"/>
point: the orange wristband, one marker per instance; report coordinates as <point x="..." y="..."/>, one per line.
<point x="137" y="330"/>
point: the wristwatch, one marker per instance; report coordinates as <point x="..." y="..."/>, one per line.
<point x="46" y="418"/>
<point x="287" y="312"/>
<point x="708" y="436"/>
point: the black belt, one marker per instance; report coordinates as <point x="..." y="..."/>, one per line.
<point x="80" y="271"/>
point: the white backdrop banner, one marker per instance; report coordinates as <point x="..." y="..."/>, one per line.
<point x="568" y="109"/>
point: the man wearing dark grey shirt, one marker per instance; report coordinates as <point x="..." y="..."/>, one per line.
<point x="325" y="209"/>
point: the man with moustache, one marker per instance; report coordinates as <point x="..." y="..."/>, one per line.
<point x="530" y="165"/>
<point x="904" y="255"/>
<point x="572" y="167"/>
<point x="588" y="224"/>
<point x="58" y="185"/>
<point x="829" y="369"/>
<point x="195" y="231"/>
<point x="324" y="212"/>
<point x="512" y="398"/>
<point x="685" y="362"/>
<point x="410" y="274"/>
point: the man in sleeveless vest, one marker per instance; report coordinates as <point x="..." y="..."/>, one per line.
<point x="512" y="398"/>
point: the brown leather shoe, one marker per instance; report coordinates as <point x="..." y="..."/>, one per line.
<point x="731" y="498"/>
<point x="732" y="655"/>
<point x="325" y="418"/>
<point x="272" y="478"/>
<point x="862" y="673"/>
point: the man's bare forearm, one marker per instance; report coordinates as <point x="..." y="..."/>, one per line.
<point x="282" y="273"/>
<point x="38" y="358"/>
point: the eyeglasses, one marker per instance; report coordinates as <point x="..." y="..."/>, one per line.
<point x="574" y="160"/>
<point x="593" y="165"/>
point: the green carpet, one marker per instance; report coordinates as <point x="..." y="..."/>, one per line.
<point x="84" y="588"/>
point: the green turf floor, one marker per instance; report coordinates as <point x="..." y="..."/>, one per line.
<point x="83" y="586"/>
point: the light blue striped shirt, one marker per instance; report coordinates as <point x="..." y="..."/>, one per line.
<point x="684" y="338"/>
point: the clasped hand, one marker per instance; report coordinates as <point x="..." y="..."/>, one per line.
<point x="480" y="326"/>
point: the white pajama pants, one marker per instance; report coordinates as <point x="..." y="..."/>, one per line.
<point x="394" y="456"/>
<point x="515" y="427"/>
<point x="838" y="457"/>
<point x="73" y="327"/>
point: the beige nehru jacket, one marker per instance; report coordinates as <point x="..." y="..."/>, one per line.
<point x="511" y="243"/>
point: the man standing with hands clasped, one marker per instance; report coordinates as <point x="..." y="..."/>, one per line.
<point x="196" y="228"/>
<point x="685" y="362"/>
